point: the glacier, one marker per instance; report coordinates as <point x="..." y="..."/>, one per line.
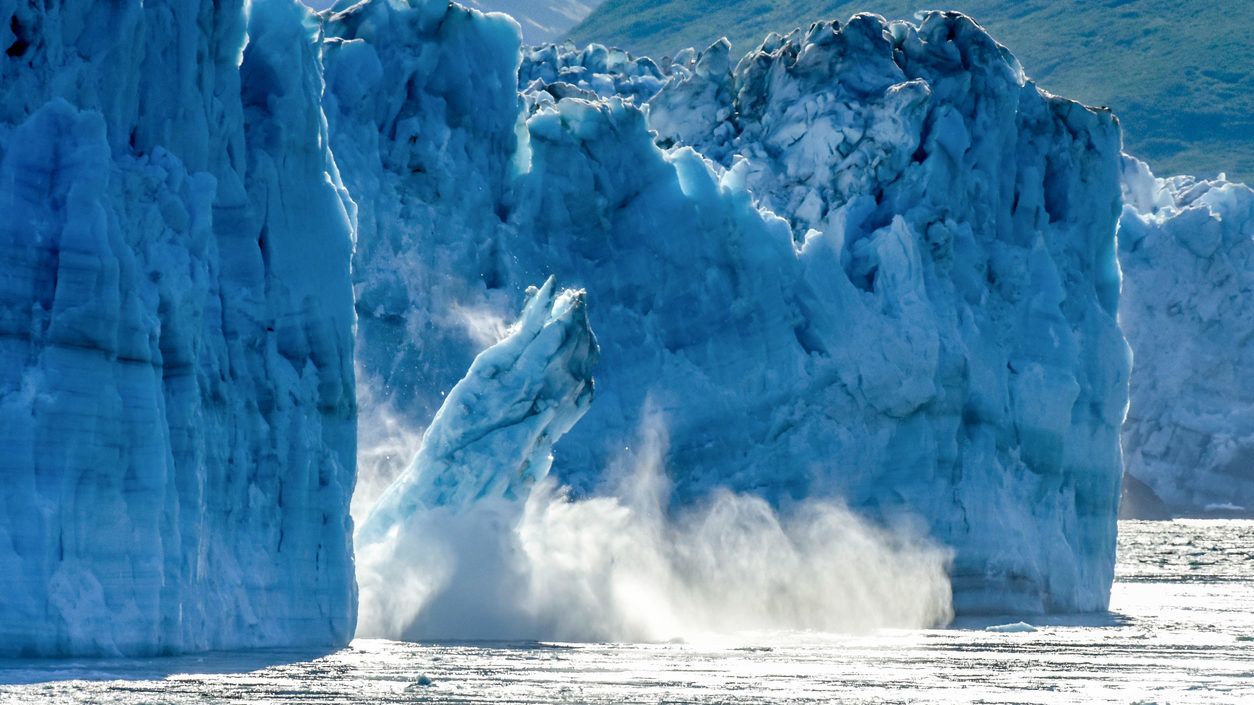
<point x="1187" y="250"/>
<point x="875" y="250"/>
<point x="868" y="265"/>
<point x="1211" y="432"/>
<point x="177" y="400"/>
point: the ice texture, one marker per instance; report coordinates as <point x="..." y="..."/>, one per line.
<point x="552" y="72"/>
<point x="480" y="459"/>
<point x="494" y="435"/>
<point x="869" y="261"/>
<point x="1187" y="250"/>
<point x="177" y="406"/>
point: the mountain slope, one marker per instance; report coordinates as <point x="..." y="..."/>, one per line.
<point x="541" y="20"/>
<point x="1181" y="86"/>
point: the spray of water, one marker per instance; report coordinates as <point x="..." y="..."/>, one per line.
<point x="622" y="567"/>
<point x="386" y="444"/>
<point x="481" y="322"/>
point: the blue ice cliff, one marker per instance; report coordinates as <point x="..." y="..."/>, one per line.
<point x="177" y="406"/>
<point x="869" y="261"/>
<point x="1188" y="434"/>
<point x="1187" y="250"/>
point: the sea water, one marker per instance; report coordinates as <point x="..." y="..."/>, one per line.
<point x="1180" y="629"/>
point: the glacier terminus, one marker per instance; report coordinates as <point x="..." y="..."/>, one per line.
<point x="864" y="305"/>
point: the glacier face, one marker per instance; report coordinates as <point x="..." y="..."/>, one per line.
<point x="1187" y="250"/>
<point x="871" y="261"/>
<point x="1162" y="438"/>
<point x="867" y="261"/>
<point x="177" y="402"/>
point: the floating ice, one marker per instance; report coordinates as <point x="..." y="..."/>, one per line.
<point x="1015" y="628"/>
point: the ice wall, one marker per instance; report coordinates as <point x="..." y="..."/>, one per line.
<point x="1008" y="197"/>
<point x="1187" y="250"/>
<point x="927" y="326"/>
<point x="176" y="386"/>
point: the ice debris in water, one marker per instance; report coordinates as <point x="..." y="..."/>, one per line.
<point x="1015" y="628"/>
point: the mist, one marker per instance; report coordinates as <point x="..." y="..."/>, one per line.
<point x="623" y="567"/>
<point x="386" y="444"/>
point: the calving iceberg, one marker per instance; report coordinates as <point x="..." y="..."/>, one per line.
<point x="1187" y="250"/>
<point x="474" y="540"/>
<point x="494" y="435"/>
<point x="869" y="261"/>
<point x="177" y="406"/>
<point x="481" y="457"/>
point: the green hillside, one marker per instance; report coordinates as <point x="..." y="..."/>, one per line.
<point x="1179" y="73"/>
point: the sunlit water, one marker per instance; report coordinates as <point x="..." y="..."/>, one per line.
<point x="1181" y="629"/>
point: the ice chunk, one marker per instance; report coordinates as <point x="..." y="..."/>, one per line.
<point x="1015" y="628"/>
<point x="494" y="435"/>
<point x="489" y="445"/>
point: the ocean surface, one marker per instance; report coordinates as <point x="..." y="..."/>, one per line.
<point x="1180" y="630"/>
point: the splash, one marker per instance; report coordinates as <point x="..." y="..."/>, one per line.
<point x="481" y="323"/>
<point x="623" y="568"/>
<point x="475" y="540"/>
